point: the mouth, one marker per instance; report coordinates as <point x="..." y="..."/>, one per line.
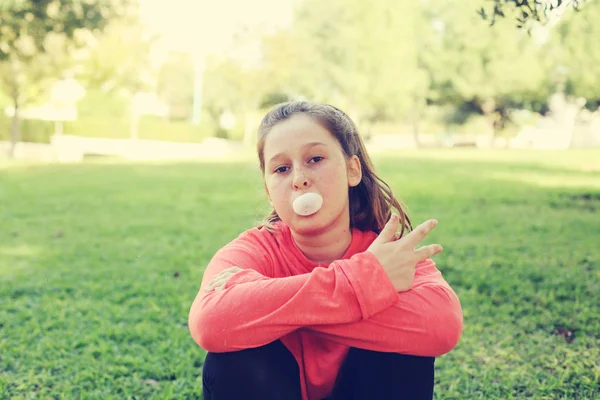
<point x="307" y="204"/>
<point x="307" y="215"/>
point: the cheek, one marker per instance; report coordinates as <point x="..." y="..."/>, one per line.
<point x="334" y="179"/>
<point x="276" y="190"/>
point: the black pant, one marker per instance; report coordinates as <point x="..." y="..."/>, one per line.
<point x="271" y="373"/>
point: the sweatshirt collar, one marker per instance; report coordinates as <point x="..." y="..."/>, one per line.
<point x="357" y="245"/>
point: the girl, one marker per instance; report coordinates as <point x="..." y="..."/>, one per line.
<point x="326" y="299"/>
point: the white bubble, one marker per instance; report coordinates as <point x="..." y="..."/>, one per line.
<point x="307" y="204"/>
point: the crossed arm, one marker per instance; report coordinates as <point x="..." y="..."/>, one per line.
<point x="351" y="302"/>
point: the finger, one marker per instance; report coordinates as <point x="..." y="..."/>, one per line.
<point x="222" y="280"/>
<point x="417" y="235"/>
<point x="231" y="270"/>
<point x="217" y="280"/>
<point x="215" y="284"/>
<point x="226" y="271"/>
<point x="213" y="281"/>
<point x="210" y="286"/>
<point x="426" y="252"/>
<point x="389" y="230"/>
<point x="223" y="275"/>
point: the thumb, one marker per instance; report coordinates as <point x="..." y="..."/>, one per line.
<point x="389" y="230"/>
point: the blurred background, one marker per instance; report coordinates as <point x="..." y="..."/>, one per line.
<point x="76" y="75"/>
<point x="127" y="132"/>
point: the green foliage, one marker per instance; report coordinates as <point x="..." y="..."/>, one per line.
<point x="484" y="69"/>
<point x="527" y="11"/>
<point x="151" y="128"/>
<point x="107" y="115"/>
<point x="31" y="130"/>
<point x="37" y="42"/>
<point x="104" y="104"/>
<point x="359" y="52"/>
<point x="27" y="24"/>
<point x="176" y="85"/>
<point x="388" y="62"/>
<point x="99" y="264"/>
<point x="575" y="54"/>
<point x="119" y="59"/>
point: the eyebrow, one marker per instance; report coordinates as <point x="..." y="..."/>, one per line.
<point x="306" y="146"/>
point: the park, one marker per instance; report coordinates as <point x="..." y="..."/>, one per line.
<point x="115" y="196"/>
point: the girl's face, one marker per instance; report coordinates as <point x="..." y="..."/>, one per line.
<point x="302" y="156"/>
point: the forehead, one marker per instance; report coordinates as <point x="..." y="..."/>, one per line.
<point x="294" y="132"/>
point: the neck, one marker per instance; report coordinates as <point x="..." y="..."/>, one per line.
<point x="327" y="245"/>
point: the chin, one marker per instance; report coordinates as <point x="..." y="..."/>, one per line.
<point x="311" y="224"/>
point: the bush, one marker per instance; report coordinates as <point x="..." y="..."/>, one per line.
<point x="151" y="127"/>
<point x="31" y="130"/>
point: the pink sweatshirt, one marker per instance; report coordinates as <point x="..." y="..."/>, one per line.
<point x="319" y="311"/>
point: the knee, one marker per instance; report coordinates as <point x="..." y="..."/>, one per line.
<point x="257" y="367"/>
<point x="391" y="375"/>
<point x="243" y="365"/>
<point x="374" y="360"/>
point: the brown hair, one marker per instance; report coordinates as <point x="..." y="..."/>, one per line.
<point x="372" y="200"/>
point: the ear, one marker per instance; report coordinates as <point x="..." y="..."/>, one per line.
<point x="354" y="171"/>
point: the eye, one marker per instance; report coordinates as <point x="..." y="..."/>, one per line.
<point x="280" y="170"/>
<point x="315" y="159"/>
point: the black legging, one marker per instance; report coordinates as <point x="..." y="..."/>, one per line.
<point x="271" y="373"/>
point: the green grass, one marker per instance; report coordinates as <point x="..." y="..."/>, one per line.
<point x="100" y="262"/>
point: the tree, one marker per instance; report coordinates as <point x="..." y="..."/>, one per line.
<point x="119" y="57"/>
<point x="527" y="12"/>
<point x="575" y="55"/>
<point x="363" y="56"/>
<point x="29" y="33"/>
<point x="488" y="69"/>
<point x="119" y="60"/>
<point x="238" y="80"/>
<point x="174" y="84"/>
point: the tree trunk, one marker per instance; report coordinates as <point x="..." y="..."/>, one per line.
<point x="249" y="121"/>
<point x="489" y="111"/>
<point x="15" y="134"/>
<point x="491" y="120"/>
<point x="248" y="129"/>
<point x="134" y="122"/>
<point x="416" y="118"/>
<point x="415" y="124"/>
<point x="134" y="127"/>
<point x="15" y="131"/>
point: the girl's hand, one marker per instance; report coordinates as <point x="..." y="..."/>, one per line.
<point x="218" y="282"/>
<point x="398" y="257"/>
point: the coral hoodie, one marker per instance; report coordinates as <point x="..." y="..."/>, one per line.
<point x="320" y="311"/>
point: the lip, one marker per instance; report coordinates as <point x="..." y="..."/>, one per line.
<point x="302" y="194"/>
<point x="307" y="216"/>
<point x="315" y="201"/>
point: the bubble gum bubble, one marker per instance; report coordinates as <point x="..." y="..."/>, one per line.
<point x="307" y="204"/>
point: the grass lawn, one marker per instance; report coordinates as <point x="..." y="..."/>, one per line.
<point x="99" y="264"/>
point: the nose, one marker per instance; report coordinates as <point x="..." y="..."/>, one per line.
<point x="300" y="180"/>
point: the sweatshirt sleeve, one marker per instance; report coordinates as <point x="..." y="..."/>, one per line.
<point x="255" y="309"/>
<point x="424" y="321"/>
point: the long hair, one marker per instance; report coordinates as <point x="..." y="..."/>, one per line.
<point x="372" y="200"/>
